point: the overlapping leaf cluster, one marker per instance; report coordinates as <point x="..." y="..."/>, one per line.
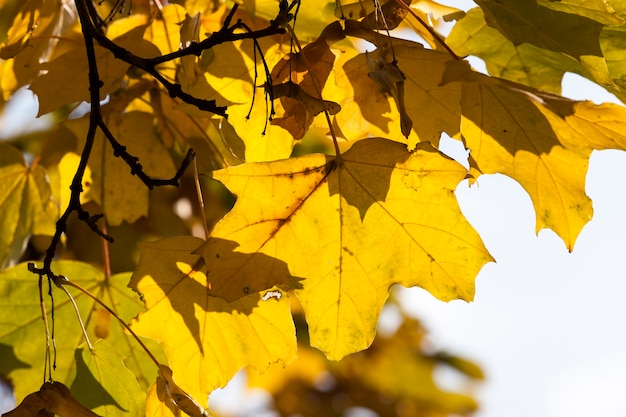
<point x="327" y="166"/>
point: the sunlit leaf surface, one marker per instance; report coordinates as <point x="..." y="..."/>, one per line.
<point x="348" y="228"/>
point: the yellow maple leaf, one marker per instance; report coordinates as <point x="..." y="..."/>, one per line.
<point x="207" y="339"/>
<point x="349" y="228"/>
<point x="366" y="109"/>
<point x="542" y="141"/>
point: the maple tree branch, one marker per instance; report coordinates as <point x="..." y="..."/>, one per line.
<point x="225" y="34"/>
<point x="76" y="187"/>
<point x="149" y="65"/>
<point x="136" y="168"/>
<point x="90" y="32"/>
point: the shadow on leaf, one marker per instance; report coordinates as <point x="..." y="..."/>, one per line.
<point x="191" y="273"/>
<point x="89" y="389"/>
<point x="509" y="113"/>
<point x="10" y="362"/>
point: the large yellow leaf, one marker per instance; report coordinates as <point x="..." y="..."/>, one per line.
<point x="207" y="339"/>
<point x="349" y="228"/>
<point x="541" y="140"/>
<point x="25" y="205"/>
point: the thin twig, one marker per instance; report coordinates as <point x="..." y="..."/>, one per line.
<point x="114" y="314"/>
<point x="430" y="30"/>
<point x="80" y="319"/>
<point x="200" y="198"/>
<point x="44" y="316"/>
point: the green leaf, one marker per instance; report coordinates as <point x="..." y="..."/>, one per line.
<point x="24" y="332"/>
<point x="525" y="63"/>
<point x="598" y="10"/>
<point x="25" y="205"/>
<point x="534" y="45"/>
<point x="104" y="385"/>
<point x="527" y="22"/>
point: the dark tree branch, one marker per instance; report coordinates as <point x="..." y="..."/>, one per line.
<point x="76" y="186"/>
<point x="91" y="30"/>
<point x="136" y="168"/>
<point x="149" y="65"/>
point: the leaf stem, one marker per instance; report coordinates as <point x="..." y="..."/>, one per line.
<point x="80" y="319"/>
<point x="200" y="198"/>
<point x="430" y="30"/>
<point x="114" y="314"/>
<point x="44" y="316"/>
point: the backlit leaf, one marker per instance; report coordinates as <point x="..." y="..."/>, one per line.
<point x="311" y="16"/>
<point x="366" y="110"/>
<point x="104" y="384"/>
<point x="525" y="63"/>
<point x="351" y="227"/>
<point x="26" y="208"/>
<point x="534" y="45"/>
<point x="22" y="29"/>
<point x="124" y="197"/>
<point x="177" y="396"/>
<point x="230" y="81"/>
<point x="303" y="76"/>
<point x="613" y="41"/>
<point x="19" y="293"/>
<point x="598" y="10"/>
<point x="542" y="141"/>
<point x="527" y="22"/>
<point x="65" y="79"/>
<point x="207" y="339"/>
<point x="67" y="169"/>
